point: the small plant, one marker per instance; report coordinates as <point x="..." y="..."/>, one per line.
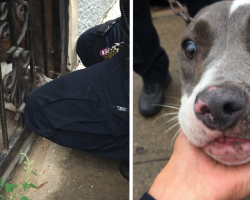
<point x="10" y="187"/>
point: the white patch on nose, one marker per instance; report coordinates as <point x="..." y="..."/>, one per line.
<point x="191" y="126"/>
<point x="236" y="4"/>
<point x="207" y="77"/>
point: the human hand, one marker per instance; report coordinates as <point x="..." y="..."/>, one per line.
<point x="192" y="174"/>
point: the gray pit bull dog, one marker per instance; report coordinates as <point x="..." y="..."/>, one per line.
<point x="214" y="61"/>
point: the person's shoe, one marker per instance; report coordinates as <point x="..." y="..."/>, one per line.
<point x="152" y="96"/>
<point x="124" y="169"/>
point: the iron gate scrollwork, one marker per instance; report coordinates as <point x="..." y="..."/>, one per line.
<point x="16" y="47"/>
<point x="14" y="83"/>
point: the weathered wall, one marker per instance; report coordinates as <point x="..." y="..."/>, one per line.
<point x="92" y="13"/>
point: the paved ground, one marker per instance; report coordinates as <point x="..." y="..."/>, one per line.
<point x="152" y="148"/>
<point x="71" y="174"/>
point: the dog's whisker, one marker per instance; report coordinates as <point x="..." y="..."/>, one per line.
<point x="186" y="85"/>
<point x="176" y="117"/>
<point x="173" y="104"/>
<point x="169" y="121"/>
<point x="170" y="128"/>
<point x="165" y="106"/>
<point x="173" y="98"/>
<point x="189" y="85"/>
<point x="175" y="135"/>
<point x="164" y="116"/>
<point x="167" y="131"/>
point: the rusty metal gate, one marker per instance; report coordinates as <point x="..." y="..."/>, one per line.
<point x="17" y="47"/>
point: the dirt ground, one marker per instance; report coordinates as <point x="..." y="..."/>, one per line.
<point x="70" y="174"/>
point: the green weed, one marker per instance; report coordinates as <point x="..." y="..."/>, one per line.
<point x="9" y="188"/>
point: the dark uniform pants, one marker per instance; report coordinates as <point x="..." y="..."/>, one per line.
<point x="78" y="110"/>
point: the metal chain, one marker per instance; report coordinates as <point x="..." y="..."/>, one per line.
<point x="179" y="11"/>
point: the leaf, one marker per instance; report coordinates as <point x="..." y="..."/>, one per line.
<point x="8" y="187"/>
<point x="25" y="186"/>
<point x="24" y="169"/>
<point x="40" y="186"/>
<point x="1" y="182"/>
<point x="2" y="196"/>
<point x="24" y="198"/>
<point x="32" y="185"/>
<point x="33" y="173"/>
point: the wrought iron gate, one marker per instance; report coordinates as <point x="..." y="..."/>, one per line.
<point x="16" y="47"/>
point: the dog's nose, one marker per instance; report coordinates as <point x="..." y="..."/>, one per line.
<point x="220" y="107"/>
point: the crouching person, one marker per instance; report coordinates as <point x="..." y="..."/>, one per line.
<point x="88" y="109"/>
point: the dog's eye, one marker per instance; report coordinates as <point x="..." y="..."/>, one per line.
<point x="189" y="49"/>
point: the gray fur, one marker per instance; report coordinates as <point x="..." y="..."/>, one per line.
<point x="218" y="34"/>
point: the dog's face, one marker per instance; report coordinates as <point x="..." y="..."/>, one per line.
<point x="214" y="60"/>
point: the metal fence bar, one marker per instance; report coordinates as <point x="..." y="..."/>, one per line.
<point x="12" y="23"/>
<point x="30" y="46"/>
<point x="57" y="36"/>
<point x="66" y="11"/>
<point x="44" y="30"/>
<point x="3" y="115"/>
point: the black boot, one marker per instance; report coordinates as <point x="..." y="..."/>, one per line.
<point x="152" y="95"/>
<point x="124" y="169"/>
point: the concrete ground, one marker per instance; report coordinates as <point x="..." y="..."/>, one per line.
<point x="70" y="174"/>
<point x="152" y="148"/>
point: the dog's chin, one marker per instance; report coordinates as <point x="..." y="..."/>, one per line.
<point x="229" y="150"/>
<point x="232" y="147"/>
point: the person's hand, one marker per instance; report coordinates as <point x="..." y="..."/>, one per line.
<point x="192" y="174"/>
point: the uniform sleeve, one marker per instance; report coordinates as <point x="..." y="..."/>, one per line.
<point x="146" y="196"/>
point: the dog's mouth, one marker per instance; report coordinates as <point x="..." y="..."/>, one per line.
<point x="229" y="150"/>
<point x="222" y="109"/>
<point x="217" y="120"/>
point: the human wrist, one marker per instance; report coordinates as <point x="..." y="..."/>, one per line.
<point x="179" y="190"/>
<point x="179" y="182"/>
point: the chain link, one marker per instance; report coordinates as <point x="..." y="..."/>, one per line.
<point x="180" y="11"/>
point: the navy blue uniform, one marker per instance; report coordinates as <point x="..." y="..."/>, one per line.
<point x="146" y="196"/>
<point x="85" y="43"/>
<point x="150" y="60"/>
<point x="78" y="110"/>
